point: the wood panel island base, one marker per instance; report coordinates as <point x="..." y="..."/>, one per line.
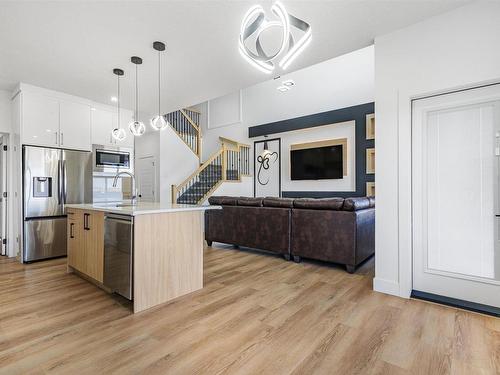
<point x="154" y="249"/>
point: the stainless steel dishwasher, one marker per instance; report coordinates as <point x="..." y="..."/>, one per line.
<point x="119" y="253"/>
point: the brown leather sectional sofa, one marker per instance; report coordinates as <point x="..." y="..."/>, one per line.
<point x="334" y="230"/>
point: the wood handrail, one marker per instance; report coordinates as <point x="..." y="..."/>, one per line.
<point x="190" y="120"/>
<point x="228" y="146"/>
<point x="200" y="169"/>
<point x="231" y="141"/>
<point x="192" y="110"/>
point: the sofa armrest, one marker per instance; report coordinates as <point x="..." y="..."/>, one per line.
<point x="365" y="234"/>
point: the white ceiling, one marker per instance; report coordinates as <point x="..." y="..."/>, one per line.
<point x="73" y="46"/>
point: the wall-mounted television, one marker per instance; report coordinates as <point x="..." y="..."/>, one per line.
<point x="319" y="163"/>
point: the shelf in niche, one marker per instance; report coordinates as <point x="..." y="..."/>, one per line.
<point x="370" y="189"/>
<point x="370" y="160"/>
<point x="370" y="126"/>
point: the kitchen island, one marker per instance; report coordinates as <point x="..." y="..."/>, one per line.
<point x="149" y="253"/>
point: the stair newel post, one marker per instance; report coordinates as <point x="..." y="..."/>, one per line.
<point x="189" y="135"/>
<point x="174" y="194"/>
<point x="198" y="142"/>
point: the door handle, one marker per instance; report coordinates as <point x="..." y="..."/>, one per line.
<point x="71" y="235"/>
<point x="86" y="221"/>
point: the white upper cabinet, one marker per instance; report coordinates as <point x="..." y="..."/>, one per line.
<point x="53" y="119"/>
<point x="102" y="125"/>
<point x="40" y="120"/>
<point x="75" y="126"/>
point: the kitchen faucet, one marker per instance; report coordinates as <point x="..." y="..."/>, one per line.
<point x="134" y="192"/>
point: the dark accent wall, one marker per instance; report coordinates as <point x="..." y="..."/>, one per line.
<point x="358" y="114"/>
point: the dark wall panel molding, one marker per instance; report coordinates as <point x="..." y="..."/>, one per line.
<point x="358" y="114"/>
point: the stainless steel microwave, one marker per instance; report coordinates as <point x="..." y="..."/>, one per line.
<point x="108" y="159"/>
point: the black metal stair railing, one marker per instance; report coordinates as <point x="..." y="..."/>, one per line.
<point x="186" y="123"/>
<point x="228" y="164"/>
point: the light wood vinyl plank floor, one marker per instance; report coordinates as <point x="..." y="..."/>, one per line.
<point x="257" y="314"/>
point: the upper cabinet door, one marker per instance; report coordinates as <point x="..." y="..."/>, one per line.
<point x="102" y="125"/>
<point x="75" y="126"/>
<point x="40" y="120"/>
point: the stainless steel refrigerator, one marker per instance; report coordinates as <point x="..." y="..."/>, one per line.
<point x="52" y="178"/>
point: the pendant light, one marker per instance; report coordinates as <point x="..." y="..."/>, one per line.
<point x="136" y="127"/>
<point x="158" y="122"/>
<point x="266" y="147"/>
<point x="118" y="133"/>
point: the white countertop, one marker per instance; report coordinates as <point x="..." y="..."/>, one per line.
<point x="142" y="208"/>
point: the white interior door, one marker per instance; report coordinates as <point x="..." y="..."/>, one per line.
<point x="145" y="169"/>
<point x="455" y="174"/>
<point x="3" y="200"/>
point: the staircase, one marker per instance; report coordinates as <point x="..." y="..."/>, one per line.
<point x="228" y="164"/>
<point x="186" y="123"/>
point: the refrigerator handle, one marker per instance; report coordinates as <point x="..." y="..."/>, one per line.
<point x="64" y="181"/>
<point x="59" y="182"/>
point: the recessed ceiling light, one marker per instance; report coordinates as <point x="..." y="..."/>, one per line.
<point x="92" y="108"/>
<point x="288" y="83"/>
<point x="283" y="88"/>
<point x="114" y="99"/>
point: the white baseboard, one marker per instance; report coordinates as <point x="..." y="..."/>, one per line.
<point x="387" y="287"/>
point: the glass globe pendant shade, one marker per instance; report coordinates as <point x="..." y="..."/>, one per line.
<point x="137" y="128"/>
<point x="158" y="122"/>
<point x="119" y="134"/>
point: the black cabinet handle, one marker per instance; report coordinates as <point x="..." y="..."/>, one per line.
<point x="71" y="230"/>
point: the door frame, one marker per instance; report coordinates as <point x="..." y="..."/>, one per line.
<point x="4" y="141"/>
<point x="405" y="181"/>
<point x="255" y="167"/>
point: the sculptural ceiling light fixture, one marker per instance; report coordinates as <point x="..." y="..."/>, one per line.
<point x="136" y="127"/>
<point x="255" y="23"/>
<point x="158" y="122"/>
<point x="118" y="133"/>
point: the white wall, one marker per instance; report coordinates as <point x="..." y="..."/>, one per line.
<point x="5" y="111"/>
<point x="235" y="189"/>
<point x="341" y="82"/>
<point x="337" y="83"/>
<point x="177" y="162"/>
<point x="455" y="50"/>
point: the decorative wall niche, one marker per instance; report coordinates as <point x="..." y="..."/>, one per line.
<point x="370" y="189"/>
<point x="370" y="160"/>
<point x="370" y="126"/>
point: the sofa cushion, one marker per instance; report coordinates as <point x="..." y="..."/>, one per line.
<point x="222" y="200"/>
<point x="359" y="203"/>
<point x="253" y="202"/>
<point x="319" y="204"/>
<point x="278" y="202"/>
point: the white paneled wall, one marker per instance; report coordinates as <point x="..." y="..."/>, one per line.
<point x="454" y="50"/>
